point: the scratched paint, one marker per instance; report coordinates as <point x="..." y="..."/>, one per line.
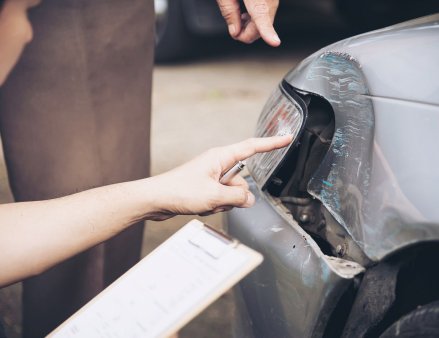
<point x="281" y="294"/>
<point x="286" y="297"/>
<point x="339" y="144"/>
<point x="362" y="80"/>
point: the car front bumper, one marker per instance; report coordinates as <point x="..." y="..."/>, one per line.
<point x="295" y="290"/>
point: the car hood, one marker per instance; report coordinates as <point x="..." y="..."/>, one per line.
<point x="394" y="60"/>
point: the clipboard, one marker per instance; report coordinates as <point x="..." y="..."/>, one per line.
<point x="167" y="288"/>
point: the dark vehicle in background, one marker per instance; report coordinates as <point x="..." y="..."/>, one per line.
<point x="347" y="217"/>
<point x="179" y="23"/>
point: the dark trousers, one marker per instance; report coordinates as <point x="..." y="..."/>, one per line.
<point x="75" y="114"/>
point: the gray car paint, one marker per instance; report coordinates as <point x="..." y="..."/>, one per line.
<point x="379" y="179"/>
<point x="284" y="297"/>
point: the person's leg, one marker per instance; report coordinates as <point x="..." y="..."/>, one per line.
<point x="75" y="114"/>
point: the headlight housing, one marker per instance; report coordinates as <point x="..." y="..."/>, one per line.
<point x="284" y="113"/>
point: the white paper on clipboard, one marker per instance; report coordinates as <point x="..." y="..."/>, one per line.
<point x="167" y="288"/>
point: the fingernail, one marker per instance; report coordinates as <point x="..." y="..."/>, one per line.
<point x="219" y="210"/>
<point x="289" y="136"/>
<point x="276" y="38"/>
<point x="232" y="30"/>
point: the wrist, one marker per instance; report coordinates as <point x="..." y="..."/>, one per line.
<point x="153" y="199"/>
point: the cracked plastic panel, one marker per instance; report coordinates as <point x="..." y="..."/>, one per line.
<point x="293" y="292"/>
<point x="379" y="179"/>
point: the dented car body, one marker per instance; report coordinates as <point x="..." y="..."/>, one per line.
<point x="348" y="221"/>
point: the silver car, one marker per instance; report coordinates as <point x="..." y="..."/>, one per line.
<point x="347" y="217"/>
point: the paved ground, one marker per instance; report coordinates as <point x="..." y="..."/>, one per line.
<point x="212" y="101"/>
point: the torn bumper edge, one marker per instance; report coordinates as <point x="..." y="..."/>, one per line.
<point x="296" y="288"/>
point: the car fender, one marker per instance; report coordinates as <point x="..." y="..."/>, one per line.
<point x="379" y="179"/>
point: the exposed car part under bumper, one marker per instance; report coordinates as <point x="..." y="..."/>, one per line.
<point x="295" y="290"/>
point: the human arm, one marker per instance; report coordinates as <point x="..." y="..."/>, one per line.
<point x="256" y="23"/>
<point x="35" y="236"/>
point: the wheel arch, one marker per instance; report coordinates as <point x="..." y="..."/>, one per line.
<point x="402" y="281"/>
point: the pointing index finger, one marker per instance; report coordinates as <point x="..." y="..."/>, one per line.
<point x="243" y="150"/>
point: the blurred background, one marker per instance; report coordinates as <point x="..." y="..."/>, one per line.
<point x="182" y="23"/>
<point x="208" y="91"/>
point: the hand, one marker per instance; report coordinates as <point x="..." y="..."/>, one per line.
<point x="256" y="23"/>
<point x="194" y="187"/>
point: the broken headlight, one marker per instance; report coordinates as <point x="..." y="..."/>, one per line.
<point x="284" y="113"/>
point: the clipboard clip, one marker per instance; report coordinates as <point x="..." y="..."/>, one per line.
<point x="213" y="242"/>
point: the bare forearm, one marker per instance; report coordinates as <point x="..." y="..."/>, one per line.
<point x="36" y="235"/>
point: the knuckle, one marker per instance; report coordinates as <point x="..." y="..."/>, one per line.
<point x="260" y="8"/>
<point x="228" y="9"/>
<point x="228" y="16"/>
<point x="242" y="197"/>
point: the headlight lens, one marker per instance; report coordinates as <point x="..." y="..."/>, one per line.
<point x="281" y="115"/>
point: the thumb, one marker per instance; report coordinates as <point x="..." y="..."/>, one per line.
<point x="236" y="196"/>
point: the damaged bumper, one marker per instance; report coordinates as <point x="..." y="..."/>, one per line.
<point x="295" y="290"/>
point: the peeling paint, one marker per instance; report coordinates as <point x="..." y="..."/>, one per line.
<point x="363" y="195"/>
<point x="339" y="79"/>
